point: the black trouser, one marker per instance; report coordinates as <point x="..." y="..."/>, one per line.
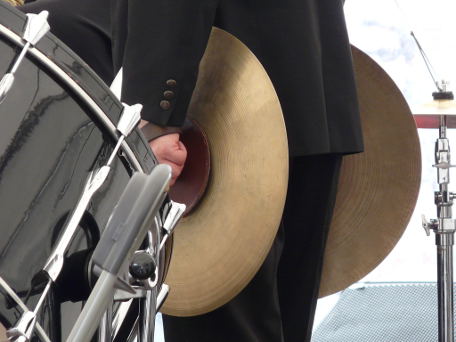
<point x="279" y="303"/>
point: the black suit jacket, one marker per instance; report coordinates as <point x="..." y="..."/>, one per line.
<point x="84" y="25"/>
<point x="302" y="44"/>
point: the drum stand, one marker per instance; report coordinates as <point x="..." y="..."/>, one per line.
<point x="444" y="228"/>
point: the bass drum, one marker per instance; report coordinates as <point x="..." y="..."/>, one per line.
<point x="57" y="124"/>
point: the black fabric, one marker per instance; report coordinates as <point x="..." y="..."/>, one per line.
<point x="303" y="45"/>
<point x="279" y="303"/>
<point x="84" y="25"/>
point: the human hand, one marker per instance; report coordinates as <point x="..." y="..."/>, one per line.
<point x="168" y="149"/>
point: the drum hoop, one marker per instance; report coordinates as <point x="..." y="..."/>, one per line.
<point x="79" y="92"/>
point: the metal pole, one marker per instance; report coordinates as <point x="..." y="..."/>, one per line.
<point x="444" y="243"/>
<point x="444" y="229"/>
<point x="444" y="237"/>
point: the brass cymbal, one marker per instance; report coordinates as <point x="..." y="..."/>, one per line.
<point x="15" y="2"/>
<point x="221" y="244"/>
<point x="378" y="189"/>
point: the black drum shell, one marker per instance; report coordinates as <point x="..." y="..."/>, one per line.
<point x="50" y="139"/>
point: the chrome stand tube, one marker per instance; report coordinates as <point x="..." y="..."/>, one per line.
<point x="444" y="228"/>
<point x="444" y="244"/>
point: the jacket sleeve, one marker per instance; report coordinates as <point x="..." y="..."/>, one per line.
<point x="164" y="44"/>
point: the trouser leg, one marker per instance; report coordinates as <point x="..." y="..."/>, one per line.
<point x="310" y="202"/>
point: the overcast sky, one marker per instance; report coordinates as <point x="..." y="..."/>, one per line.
<point x="381" y="29"/>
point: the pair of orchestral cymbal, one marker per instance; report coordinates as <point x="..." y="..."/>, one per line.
<point x="222" y="243"/>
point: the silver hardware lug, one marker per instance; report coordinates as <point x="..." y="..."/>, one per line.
<point x="129" y="119"/>
<point x="173" y="216"/>
<point x="36" y="27"/>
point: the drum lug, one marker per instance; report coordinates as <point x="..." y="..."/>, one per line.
<point x="36" y="27"/>
<point x="131" y="115"/>
<point x="175" y="212"/>
<point x="171" y="217"/>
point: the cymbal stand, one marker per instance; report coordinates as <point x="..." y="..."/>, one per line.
<point x="444" y="228"/>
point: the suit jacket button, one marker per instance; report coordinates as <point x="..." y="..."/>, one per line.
<point x="171" y="83"/>
<point x="168" y="94"/>
<point x="165" y="105"/>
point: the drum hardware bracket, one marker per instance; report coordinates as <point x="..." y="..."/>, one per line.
<point x="128" y="225"/>
<point x="35" y="29"/>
